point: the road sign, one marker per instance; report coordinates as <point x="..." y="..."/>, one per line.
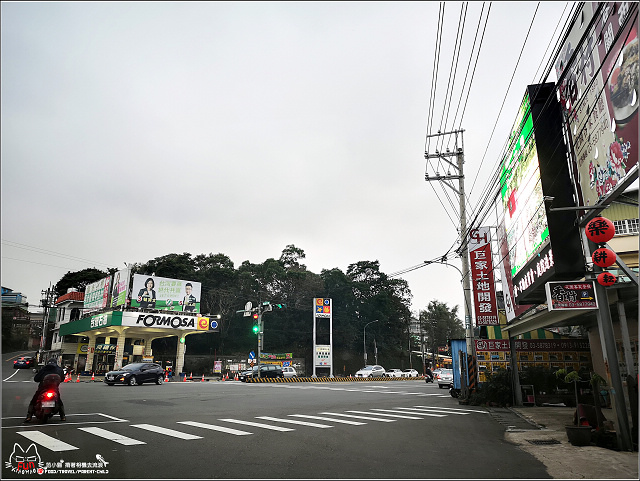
<point x="252" y="355"/>
<point x="247" y="309"/>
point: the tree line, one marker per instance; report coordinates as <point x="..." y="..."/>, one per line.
<point x="361" y="294"/>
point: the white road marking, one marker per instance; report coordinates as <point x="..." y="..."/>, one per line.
<point x="213" y="427"/>
<point x="361" y="417"/>
<point x="111" y="436"/>
<point x="413" y="412"/>
<point x="165" y="431"/>
<point x="47" y="441"/>
<point x="343" y="421"/>
<point x="383" y="414"/>
<point x="292" y="421"/>
<point x="257" y="425"/>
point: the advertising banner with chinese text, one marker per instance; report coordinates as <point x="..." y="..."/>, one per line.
<point x="97" y="294"/>
<point x="597" y="70"/>
<point x="482" y="279"/>
<point x="153" y="292"/>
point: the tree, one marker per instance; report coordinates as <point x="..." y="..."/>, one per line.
<point x="440" y="323"/>
<point x="78" y="280"/>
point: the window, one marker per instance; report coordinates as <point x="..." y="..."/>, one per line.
<point x="626" y="226"/>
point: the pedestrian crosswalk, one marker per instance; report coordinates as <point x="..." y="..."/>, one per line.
<point x="291" y="422"/>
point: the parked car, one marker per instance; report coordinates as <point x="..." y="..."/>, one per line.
<point x="393" y="373"/>
<point x="410" y="373"/>
<point x="371" y="371"/>
<point x="135" y="374"/>
<point x="264" y="371"/>
<point x="289" y="371"/>
<point x="445" y="378"/>
<point x="24" y="362"/>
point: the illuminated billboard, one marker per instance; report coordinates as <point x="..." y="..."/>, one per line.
<point x="162" y="293"/>
<point x="542" y="245"/>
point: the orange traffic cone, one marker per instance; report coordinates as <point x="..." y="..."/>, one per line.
<point x="184" y="379"/>
<point x="236" y="378"/>
<point x="166" y="377"/>
<point x="78" y="378"/>
<point x="67" y="377"/>
<point x="191" y="376"/>
<point x="93" y="378"/>
<point x="202" y="377"/>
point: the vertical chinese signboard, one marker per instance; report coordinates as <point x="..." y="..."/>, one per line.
<point x="483" y="287"/>
<point x="96" y="294"/>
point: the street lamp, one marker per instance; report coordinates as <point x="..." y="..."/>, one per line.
<point x="364" y="340"/>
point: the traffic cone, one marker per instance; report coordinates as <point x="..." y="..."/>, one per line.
<point x="184" y="379"/>
<point x="66" y="378"/>
<point x="191" y="376"/>
<point x="227" y="378"/>
<point x="92" y="376"/>
<point x="202" y="378"/>
<point x="78" y="378"/>
<point x="166" y="377"/>
<point x="236" y="378"/>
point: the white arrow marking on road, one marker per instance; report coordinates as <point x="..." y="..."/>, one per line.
<point x="257" y="425"/>
<point x="343" y="421"/>
<point x="168" y="432"/>
<point x="213" y="427"/>
<point x="291" y="421"/>
<point x="118" y="438"/>
<point x="361" y="417"/>
<point x="47" y="441"/>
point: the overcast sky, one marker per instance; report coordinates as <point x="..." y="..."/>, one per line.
<point x="135" y="130"/>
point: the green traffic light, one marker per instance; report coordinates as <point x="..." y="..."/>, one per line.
<point x="256" y="329"/>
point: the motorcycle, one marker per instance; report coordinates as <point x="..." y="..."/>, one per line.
<point x="428" y="378"/>
<point x="47" y="405"/>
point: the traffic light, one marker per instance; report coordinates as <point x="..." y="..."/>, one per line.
<point x="256" y="327"/>
<point x="280" y="306"/>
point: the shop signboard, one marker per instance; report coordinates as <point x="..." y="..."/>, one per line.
<point x="483" y="285"/>
<point x="597" y="71"/>
<point x="571" y="295"/>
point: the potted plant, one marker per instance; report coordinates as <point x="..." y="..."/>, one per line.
<point x="578" y="435"/>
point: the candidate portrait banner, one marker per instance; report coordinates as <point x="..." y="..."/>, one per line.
<point x="162" y="293"/>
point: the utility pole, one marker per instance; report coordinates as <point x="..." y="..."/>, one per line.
<point x="458" y="174"/>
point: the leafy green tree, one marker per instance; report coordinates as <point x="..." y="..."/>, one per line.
<point x="440" y="323"/>
<point x="79" y="280"/>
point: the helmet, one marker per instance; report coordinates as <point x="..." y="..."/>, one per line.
<point x="53" y="362"/>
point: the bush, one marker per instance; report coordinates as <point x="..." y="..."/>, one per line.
<point x="497" y="388"/>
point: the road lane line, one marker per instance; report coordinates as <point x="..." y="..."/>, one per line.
<point x="454" y="409"/>
<point x="383" y="414"/>
<point x="111" y="436"/>
<point x="292" y="421"/>
<point x="395" y="410"/>
<point x="47" y="441"/>
<point x="321" y="418"/>
<point x="361" y="417"/>
<point x="257" y="425"/>
<point x="213" y="427"/>
<point x="434" y="410"/>
<point x="165" y="431"/>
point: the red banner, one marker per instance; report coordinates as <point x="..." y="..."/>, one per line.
<point x="483" y="286"/>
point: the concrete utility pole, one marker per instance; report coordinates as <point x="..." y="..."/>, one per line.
<point x="458" y="152"/>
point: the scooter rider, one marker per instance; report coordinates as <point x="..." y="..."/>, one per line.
<point x="50" y="376"/>
<point x="428" y="373"/>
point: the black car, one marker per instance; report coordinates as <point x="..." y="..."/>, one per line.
<point x="266" y="371"/>
<point x="24" y="362"/>
<point x="135" y="374"/>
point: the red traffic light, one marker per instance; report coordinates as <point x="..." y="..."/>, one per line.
<point x="255" y="316"/>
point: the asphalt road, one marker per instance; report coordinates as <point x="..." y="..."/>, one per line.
<point x="233" y="430"/>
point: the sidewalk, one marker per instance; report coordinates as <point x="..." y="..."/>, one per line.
<point x="563" y="460"/>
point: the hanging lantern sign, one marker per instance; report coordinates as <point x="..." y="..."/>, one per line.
<point x="603" y="257"/>
<point x="606" y="279"/>
<point x="600" y="230"/>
